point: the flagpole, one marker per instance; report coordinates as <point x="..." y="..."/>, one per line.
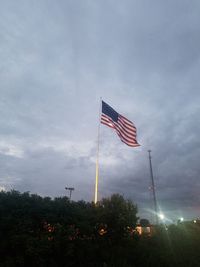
<point x="97" y="157"/>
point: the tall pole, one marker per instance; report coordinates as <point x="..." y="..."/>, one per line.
<point x="97" y="158"/>
<point x="70" y="191"/>
<point x="153" y="188"/>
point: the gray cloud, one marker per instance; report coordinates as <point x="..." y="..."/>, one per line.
<point x="58" y="58"/>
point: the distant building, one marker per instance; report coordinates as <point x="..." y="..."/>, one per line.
<point x="144" y="228"/>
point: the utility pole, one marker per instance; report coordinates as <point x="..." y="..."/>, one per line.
<point x="153" y="188"/>
<point x="70" y="191"/>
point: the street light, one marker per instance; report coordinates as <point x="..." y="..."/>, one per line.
<point x="161" y="216"/>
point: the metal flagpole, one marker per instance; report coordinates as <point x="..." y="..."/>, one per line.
<point x="97" y="159"/>
<point x="153" y="188"/>
<point x="70" y="191"/>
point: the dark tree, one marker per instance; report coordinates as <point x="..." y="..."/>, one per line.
<point x="117" y="214"/>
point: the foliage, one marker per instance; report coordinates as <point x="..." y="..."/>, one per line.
<point x="117" y="214"/>
<point x="37" y="231"/>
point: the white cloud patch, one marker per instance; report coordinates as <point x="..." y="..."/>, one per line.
<point x="11" y="150"/>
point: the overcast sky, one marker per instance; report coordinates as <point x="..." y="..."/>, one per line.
<point x="57" y="58"/>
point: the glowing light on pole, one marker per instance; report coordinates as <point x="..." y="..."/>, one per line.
<point x="161" y="216"/>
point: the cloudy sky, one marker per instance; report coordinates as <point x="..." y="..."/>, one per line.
<point x="57" y="58"/>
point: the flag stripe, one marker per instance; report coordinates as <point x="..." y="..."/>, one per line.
<point x="127" y="141"/>
<point x="127" y="121"/>
<point x="128" y="130"/>
<point x="122" y="133"/>
<point x="127" y="125"/>
<point x="107" y="121"/>
<point x="127" y="134"/>
<point x="125" y="137"/>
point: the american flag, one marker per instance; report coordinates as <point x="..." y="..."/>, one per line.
<point x="125" y="129"/>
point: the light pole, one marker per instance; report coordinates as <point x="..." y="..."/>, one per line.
<point x="70" y="191"/>
<point x="153" y="188"/>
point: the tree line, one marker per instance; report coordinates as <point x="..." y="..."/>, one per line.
<point x="41" y="231"/>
